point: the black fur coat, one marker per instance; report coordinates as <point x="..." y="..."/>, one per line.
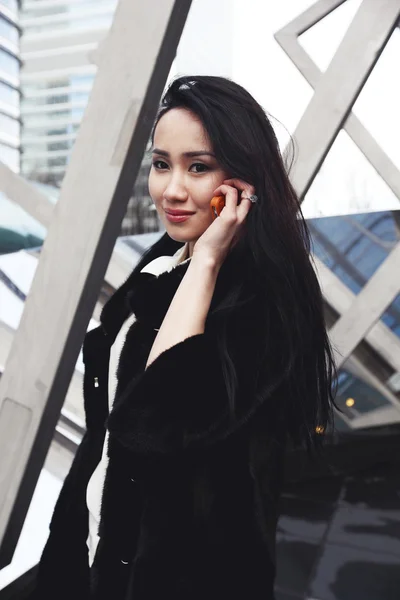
<point x="189" y="506"/>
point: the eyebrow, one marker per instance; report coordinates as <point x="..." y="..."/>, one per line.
<point x="185" y="154"/>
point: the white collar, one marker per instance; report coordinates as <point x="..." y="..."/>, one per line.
<point x="166" y="263"/>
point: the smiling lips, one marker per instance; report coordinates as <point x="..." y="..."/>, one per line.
<point x="177" y="211"/>
<point x="177" y="216"/>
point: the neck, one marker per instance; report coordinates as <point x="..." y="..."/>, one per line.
<point x="189" y="251"/>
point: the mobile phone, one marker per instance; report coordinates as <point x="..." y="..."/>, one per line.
<point x="217" y="204"/>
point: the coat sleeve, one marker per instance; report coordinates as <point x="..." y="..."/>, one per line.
<point x="181" y="400"/>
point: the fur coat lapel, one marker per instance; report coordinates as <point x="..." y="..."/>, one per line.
<point x="148" y="296"/>
<point x="181" y="400"/>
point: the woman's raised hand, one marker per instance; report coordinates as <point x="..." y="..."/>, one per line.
<point x="221" y="235"/>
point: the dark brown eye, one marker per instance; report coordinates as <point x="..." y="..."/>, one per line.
<point x="159" y="164"/>
<point x="202" y="166"/>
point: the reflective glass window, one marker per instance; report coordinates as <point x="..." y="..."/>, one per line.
<point x="9" y="63"/>
<point x="8" y="95"/>
<point x="37" y="121"/>
<point x="354" y="246"/>
<point x="9" y="156"/>
<point x="68" y="8"/>
<point x="9" y="125"/>
<point x="8" y="31"/>
<point x="63" y="98"/>
<point x="10" y="4"/>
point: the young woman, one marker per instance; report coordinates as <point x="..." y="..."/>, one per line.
<point x="174" y="489"/>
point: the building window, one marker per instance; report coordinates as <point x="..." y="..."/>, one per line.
<point x="8" y="95"/>
<point x="10" y="157"/>
<point x="43" y="119"/>
<point x="9" y="63"/>
<point x="9" y="31"/>
<point x="83" y="8"/>
<point x="10" y="4"/>
<point x="64" y="98"/>
<point x="88" y="23"/>
<point x="9" y="125"/>
<point x="67" y="84"/>
<point x="54" y="146"/>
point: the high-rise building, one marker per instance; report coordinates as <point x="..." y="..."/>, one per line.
<point x="57" y="46"/>
<point x="56" y="78"/>
<point x="9" y="85"/>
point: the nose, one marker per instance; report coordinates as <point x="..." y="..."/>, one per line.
<point x="175" y="190"/>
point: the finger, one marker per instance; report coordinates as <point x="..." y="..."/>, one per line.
<point x="243" y="209"/>
<point x="241" y="185"/>
<point x="231" y="196"/>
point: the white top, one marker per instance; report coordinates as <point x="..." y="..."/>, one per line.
<point x="95" y="487"/>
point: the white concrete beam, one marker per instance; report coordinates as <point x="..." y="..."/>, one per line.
<point x="338" y="88"/>
<point x="287" y="38"/>
<point x="367" y="307"/>
<point x="340" y="297"/>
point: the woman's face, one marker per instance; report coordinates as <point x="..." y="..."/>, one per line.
<point x="184" y="175"/>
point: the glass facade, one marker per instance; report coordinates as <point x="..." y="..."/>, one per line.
<point x="8" y="63"/>
<point x="9" y="88"/>
<point x="96" y="22"/>
<point x="44" y="119"/>
<point x="353" y="247"/>
<point x="11" y="5"/>
<point x="48" y="85"/>
<point x="66" y="14"/>
<point x="9" y="156"/>
<point x="9" y="32"/>
<point x="9" y="125"/>
<point x="64" y="96"/>
<point x="9" y="95"/>
<point x="54" y="100"/>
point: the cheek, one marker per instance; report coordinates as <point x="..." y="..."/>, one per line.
<point x="207" y="193"/>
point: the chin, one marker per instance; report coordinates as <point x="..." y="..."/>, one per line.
<point x="178" y="236"/>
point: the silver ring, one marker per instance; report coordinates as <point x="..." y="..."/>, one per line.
<point x="253" y="198"/>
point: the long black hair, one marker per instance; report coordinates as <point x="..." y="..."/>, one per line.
<point x="277" y="239"/>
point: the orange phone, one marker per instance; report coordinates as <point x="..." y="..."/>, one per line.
<point x="216" y="205"/>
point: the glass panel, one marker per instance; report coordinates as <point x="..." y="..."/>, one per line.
<point x="9" y="63"/>
<point x="354" y="246"/>
<point x="369" y="386"/>
<point x="76" y="8"/>
<point x="356" y="396"/>
<point x="32" y="164"/>
<point x="65" y="145"/>
<point x="65" y="129"/>
<point x="8" y="31"/>
<point x="48" y="11"/>
<point x="41" y="120"/>
<point x="65" y="84"/>
<point x="59" y="161"/>
<point x="10" y="157"/>
<point x="64" y="98"/>
<point x="10" y="4"/>
<point x="9" y="125"/>
<point x="90" y="22"/>
<point x="391" y="317"/>
<point x="8" y="95"/>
